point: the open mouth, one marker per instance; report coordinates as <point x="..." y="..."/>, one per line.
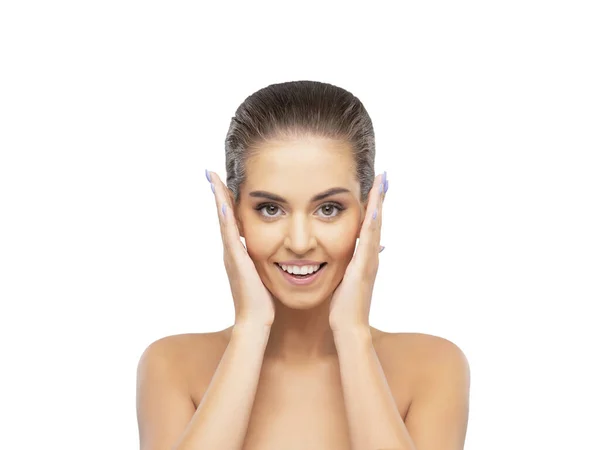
<point x="299" y="275"/>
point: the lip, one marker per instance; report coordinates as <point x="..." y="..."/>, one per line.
<point x="302" y="281"/>
<point x="301" y="262"/>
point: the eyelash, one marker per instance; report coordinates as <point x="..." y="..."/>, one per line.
<point x="339" y="207"/>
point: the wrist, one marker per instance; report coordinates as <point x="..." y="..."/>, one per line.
<point x="249" y="327"/>
<point x="362" y="332"/>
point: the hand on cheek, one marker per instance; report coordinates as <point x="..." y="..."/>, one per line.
<point x="351" y="301"/>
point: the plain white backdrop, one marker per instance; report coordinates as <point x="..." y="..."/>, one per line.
<point x="487" y="121"/>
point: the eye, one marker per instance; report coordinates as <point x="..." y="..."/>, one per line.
<point x="330" y="210"/>
<point x="270" y="207"/>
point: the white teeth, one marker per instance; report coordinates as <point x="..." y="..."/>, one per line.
<point x="299" y="270"/>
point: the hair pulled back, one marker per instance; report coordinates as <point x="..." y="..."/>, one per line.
<point x="295" y="109"/>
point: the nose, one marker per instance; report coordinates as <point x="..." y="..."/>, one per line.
<point x="299" y="238"/>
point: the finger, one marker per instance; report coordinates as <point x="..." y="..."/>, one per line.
<point x="379" y="218"/>
<point x="376" y="227"/>
<point x="386" y="186"/>
<point x="369" y="233"/>
<point x="229" y="232"/>
<point x="215" y="185"/>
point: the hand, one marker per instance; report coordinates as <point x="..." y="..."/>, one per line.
<point x="253" y="302"/>
<point x="351" y="301"/>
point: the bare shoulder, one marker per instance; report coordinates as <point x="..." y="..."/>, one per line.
<point x="172" y="375"/>
<point x="185" y="348"/>
<point x="439" y="357"/>
<point x="190" y="358"/>
<point x="426" y="350"/>
<point x="417" y="359"/>
<point x="439" y="376"/>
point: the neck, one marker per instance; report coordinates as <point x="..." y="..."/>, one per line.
<point x="301" y="335"/>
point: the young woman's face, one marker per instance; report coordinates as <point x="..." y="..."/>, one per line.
<point x="295" y="226"/>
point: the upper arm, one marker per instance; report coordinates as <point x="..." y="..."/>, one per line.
<point x="438" y="415"/>
<point x="164" y="406"/>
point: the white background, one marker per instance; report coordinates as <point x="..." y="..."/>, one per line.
<point x="487" y="121"/>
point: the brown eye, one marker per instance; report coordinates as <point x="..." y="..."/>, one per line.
<point x="270" y="209"/>
<point x="330" y="208"/>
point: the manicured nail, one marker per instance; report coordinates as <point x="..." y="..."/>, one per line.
<point x="212" y="187"/>
<point x="385" y="186"/>
<point x="223" y="208"/>
<point x="384" y="176"/>
<point x="381" y="188"/>
<point x="375" y="214"/>
<point x="381" y="247"/>
<point x="207" y="175"/>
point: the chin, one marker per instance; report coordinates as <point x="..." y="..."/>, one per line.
<point x="297" y="297"/>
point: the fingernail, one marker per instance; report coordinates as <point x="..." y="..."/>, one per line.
<point x="381" y="188"/>
<point x="212" y="187"/>
<point x="375" y="214"/>
<point x="207" y="175"/>
<point x="385" y="186"/>
<point x="384" y="176"/>
<point x="223" y="208"/>
<point x="381" y="247"/>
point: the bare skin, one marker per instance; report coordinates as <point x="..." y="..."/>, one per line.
<point x="274" y="379"/>
<point x="310" y="391"/>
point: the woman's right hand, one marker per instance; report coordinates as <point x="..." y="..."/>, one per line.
<point x="254" y="304"/>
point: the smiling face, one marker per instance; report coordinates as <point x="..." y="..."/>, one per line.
<point x="282" y="217"/>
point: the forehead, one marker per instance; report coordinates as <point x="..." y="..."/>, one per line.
<point x="319" y="161"/>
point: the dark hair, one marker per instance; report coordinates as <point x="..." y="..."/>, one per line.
<point x="294" y="109"/>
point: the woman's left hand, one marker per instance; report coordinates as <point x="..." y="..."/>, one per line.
<point x="351" y="301"/>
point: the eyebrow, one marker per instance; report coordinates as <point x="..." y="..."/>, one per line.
<point x="316" y="198"/>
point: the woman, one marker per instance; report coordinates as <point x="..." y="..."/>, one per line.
<point x="301" y="368"/>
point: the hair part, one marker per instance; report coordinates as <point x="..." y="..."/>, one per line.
<point x="297" y="109"/>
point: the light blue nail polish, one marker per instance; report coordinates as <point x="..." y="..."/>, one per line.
<point x="212" y="187"/>
<point x="384" y="176"/>
<point x="374" y="214"/>
<point x="381" y="188"/>
<point x="385" y="186"/>
<point x="223" y="209"/>
<point x="207" y="175"/>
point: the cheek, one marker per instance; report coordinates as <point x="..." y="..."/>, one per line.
<point x="259" y="243"/>
<point x="256" y="236"/>
<point x="339" y="237"/>
<point x="339" y="240"/>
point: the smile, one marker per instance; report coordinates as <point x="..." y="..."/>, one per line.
<point x="302" y="279"/>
